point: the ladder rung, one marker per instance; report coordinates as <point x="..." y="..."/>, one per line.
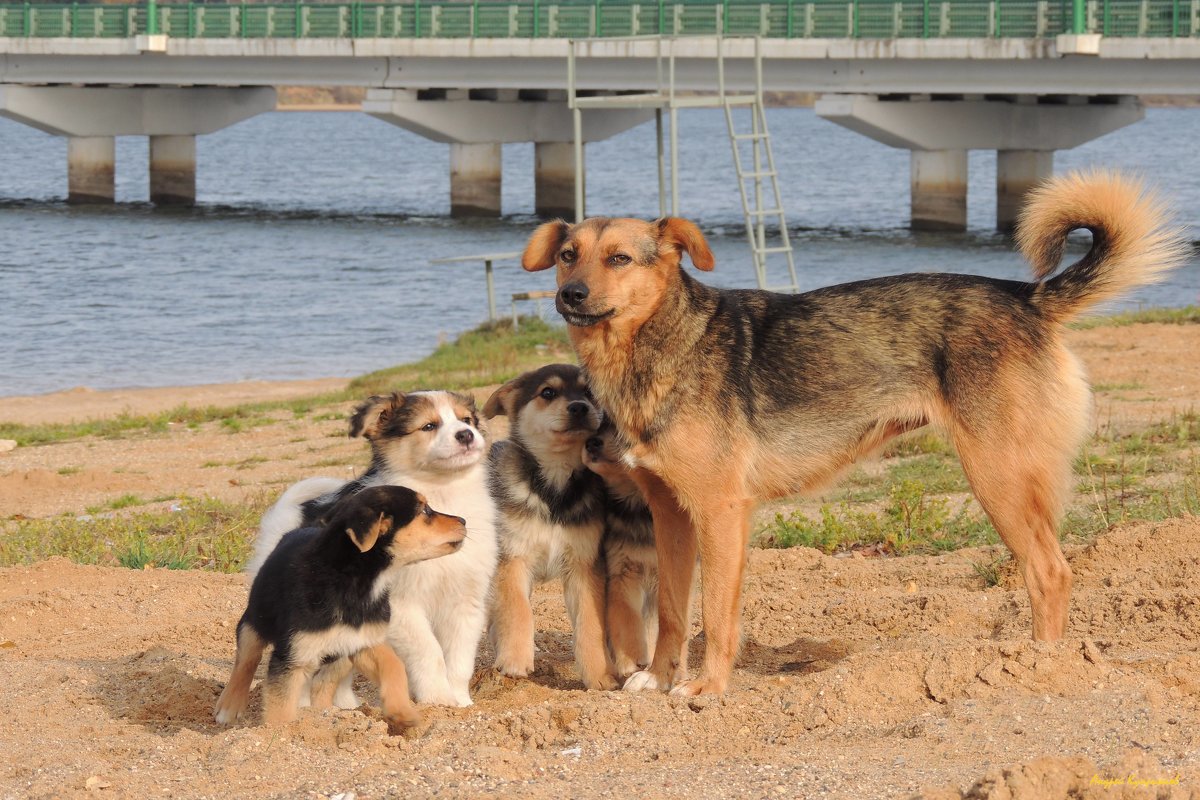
<point x="773" y="249"/>
<point x="741" y="136"/>
<point x="766" y="212"/>
<point x="763" y="174"/>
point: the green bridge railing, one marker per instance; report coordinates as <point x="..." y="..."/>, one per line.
<point x="791" y="19"/>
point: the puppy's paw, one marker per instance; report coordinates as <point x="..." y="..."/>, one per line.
<point x="440" y="696"/>
<point x="515" y="666"/>
<point x="346" y="698"/>
<point x="399" y="723"/>
<point x="643" y="681"/>
<point x="604" y="683"/>
<point x="462" y="699"/>
<point x="697" y="687"/>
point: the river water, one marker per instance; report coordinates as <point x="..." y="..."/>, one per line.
<point x="309" y="251"/>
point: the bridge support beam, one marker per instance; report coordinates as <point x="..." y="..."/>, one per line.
<point x="173" y="170"/>
<point x="1024" y="130"/>
<point x="172" y="117"/>
<point x="1018" y="171"/>
<point x="91" y="169"/>
<point x="475" y="180"/>
<point x="938" y="185"/>
<point x="469" y="120"/>
<point x="554" y="179"/>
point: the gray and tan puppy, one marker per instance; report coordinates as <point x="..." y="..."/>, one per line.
<point x="631" y="612"/>
<point x="550" y="517"/>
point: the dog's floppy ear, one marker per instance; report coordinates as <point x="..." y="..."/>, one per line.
<point x="543" y="246"/>
<point x="372" y="416"/>
<point x="684" y="235"/>
<point x="372" y="531"/>
<point x="502" y="400"/>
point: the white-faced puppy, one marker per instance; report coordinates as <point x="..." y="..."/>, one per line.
<point x="550" y="517"/>
<point x="433" y="442"/>
<point x="631" y="613"/>
<point x="322" y="597"/>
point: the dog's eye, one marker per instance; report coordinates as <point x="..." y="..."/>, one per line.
<point x="619" y="260"/>
<point x="549" y="393"/>
<point x="429" y="426"/>
<point x="467" y="420"/>
<point x="568" y="256"/>
<point x="427" y="511"/>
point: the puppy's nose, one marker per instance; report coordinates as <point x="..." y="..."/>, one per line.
<point x="573" y="293"/>
<point x="578" y="409"/>
<point x="465" y="436"/>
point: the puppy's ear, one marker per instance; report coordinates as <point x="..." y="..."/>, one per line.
<point x="479" y="422"/>
<point x="685" y="236"/>
<point x="372" y="416"/>
<point x="366" y="539"/>
<point x="543" y="246"/>
<point x="502" y="400"/>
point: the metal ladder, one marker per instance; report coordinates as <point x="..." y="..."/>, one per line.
<point x="751" y="181"/>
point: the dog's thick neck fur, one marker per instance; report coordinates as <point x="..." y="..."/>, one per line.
<point x="557" y="477"/>
<point x="622" y="364"/>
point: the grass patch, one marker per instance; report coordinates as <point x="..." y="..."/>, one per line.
<point x="201" y="534"/>
<point x="492" y="353"/>
<point x="1188" y="315"/>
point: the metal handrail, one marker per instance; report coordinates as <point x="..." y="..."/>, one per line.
<point x="572" y="19"/>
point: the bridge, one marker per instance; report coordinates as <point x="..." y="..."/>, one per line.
<point x="936" y="77"/>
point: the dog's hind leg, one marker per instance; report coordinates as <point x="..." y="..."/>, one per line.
<point x="328" y="681"/>
<point x="1020" y="471"/>
<point x="583" y="591"/>
<point x="236" y="694"/>
<point x="623" y="615"/>
<point x="512" y="618"/>
<point x="381" y="665"/>
<point x="284" y="685"/>
<point x="675" y="548"/>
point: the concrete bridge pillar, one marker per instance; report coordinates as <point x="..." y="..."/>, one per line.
<point x="1024" y="130"/>
<point x="173" y="170"/>
<point x="554" y="179"/>
<point x="474" y="180"/>
<point x="171" y="116"/>
<point x="1018" y="171"/>
<point x="476" y="122"/>
<point x="91" y="167"/>
<point x="938" y="186"/>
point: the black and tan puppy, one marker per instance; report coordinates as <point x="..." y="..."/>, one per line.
<point x="631" y="611"/>
<point x="549" y="517"/>
<point x="321" y="599"/>
<point x="728" y="397"/>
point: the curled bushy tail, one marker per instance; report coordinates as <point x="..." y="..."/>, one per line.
<point x="1134" y="239"/>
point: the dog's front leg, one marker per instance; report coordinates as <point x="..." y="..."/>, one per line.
<point x="723" y="531"/>
<point x="412" y="637"/>
<point x="381" y="664"/>
<point x="459" y="629"/>
<point x="584" y="593"/>
<point x="675" y="547"/>
<point x="512" y="618"/>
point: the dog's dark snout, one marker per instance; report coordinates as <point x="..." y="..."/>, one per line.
<point x="465" y="436"/>
<point x="578" y="410"/>
<point x="573" y="293"/>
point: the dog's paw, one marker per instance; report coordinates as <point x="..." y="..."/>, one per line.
<point x="346" y="698"/>
<point x="697" y="687"/>
<point x="462" y="699"/>
<point x="515" y="667"/>
<point x="604" y="683"/>
<point x="643" y="681"/>
<point x="226" y="716"/>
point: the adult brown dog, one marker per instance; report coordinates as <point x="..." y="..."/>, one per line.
<point x="727" y="397"/>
